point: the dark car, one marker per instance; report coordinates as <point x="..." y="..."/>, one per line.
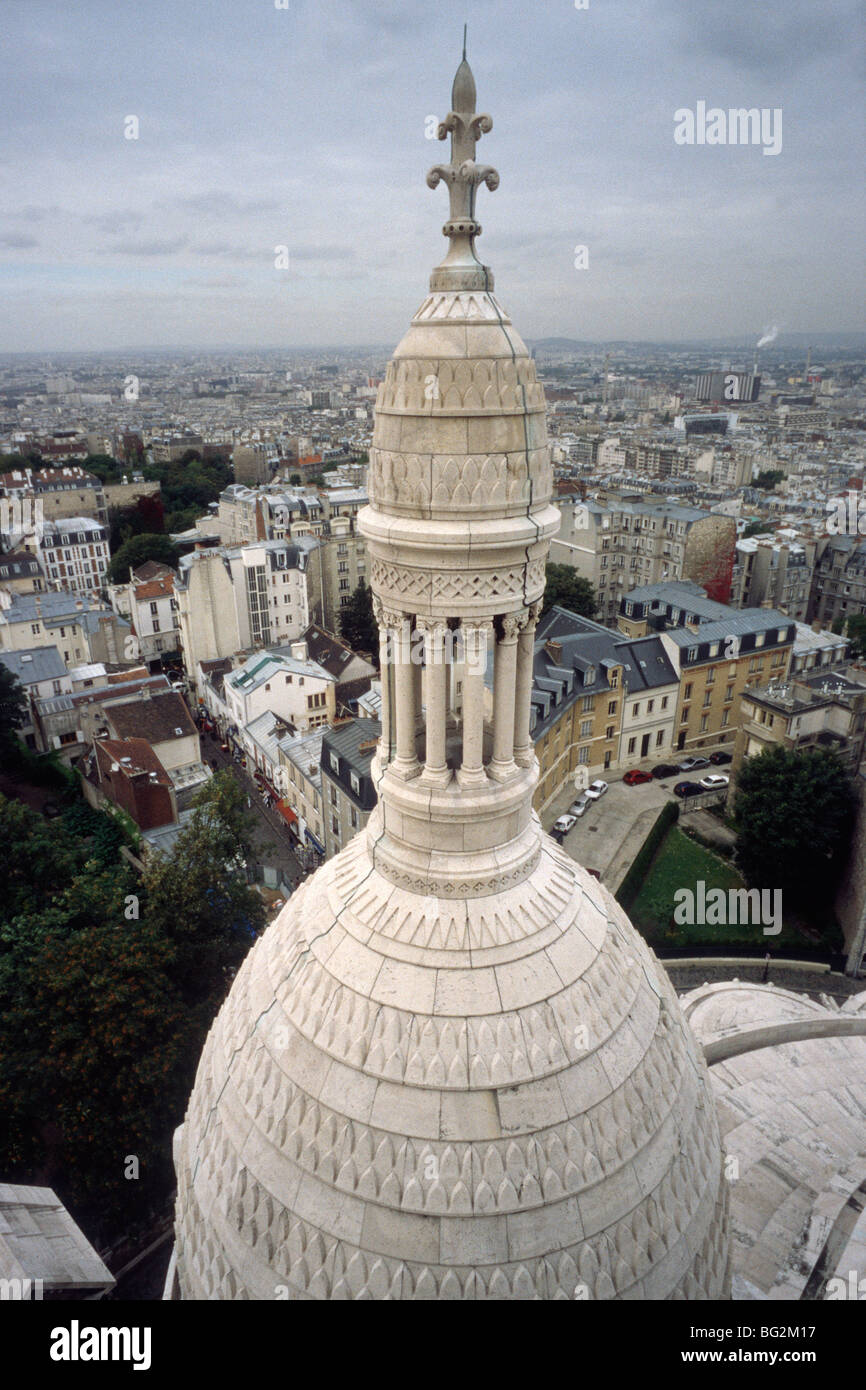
<point x="692" y="764"/>
<point x="665" y="770"/>
<point x="687" y="789"/>
<point x="719" y="758"/>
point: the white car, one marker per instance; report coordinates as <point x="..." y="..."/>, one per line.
<point x="563" y="825"/>
<point x="580" y="806"/>
<point x="714" y="782"/>
<point x="595" y="790"/>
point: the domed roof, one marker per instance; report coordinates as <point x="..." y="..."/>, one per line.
<point x="411" y="1097"/>
<point x="451" y="1069"/>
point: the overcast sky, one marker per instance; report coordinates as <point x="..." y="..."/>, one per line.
<point x="305" y="127"/>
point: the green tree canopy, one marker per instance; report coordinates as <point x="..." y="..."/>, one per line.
<point x="769" y="479"/>
<point x="136" y="551"/>
<point x="199" y="898"/>
<point x="108" y="984"/>
<point x="570" y="590"/>
<point x="793" y="812"/>
<point x="13" y="707"/>
<point x="856" y="634"/>
<point x="357" y="624"/>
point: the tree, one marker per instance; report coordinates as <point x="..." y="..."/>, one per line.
<point x="793" y="812"/>
<point x="136" y="551"/>
<point x="570" y="590"/>
<point x="754" y="528"/>
<point x="769" y="479"/>
<point x="199" y="897"/>
<point x="357" y="624"/>
<point x="295" y="480"/>
<point x="856" y="634"/>
<point x="13" y="708"/>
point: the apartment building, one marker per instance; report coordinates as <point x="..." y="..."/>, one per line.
<point x="620" y="544"/>
<point x="231" y="600"/>
<point x="348" y="790"/>
<point x="774" y="573"/>
<point x="838" y="579"/>
<point x="321" y="523"/>
<point x="826" y="710"/>
<point x="301" y="759"/>
<point x="284" y="683"/>
<point x="60" y="720"/>
<point x="715" y="651"/>
<point x="21" y="573"/>
<point x="74" y="553"/>
<point x="59" y="492"/>
<point x="82" y="629"/>
<point x="41" y="673"/>
<point x="599" y="701"/>
<point x="148" y="601"/>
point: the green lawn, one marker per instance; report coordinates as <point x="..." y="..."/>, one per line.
<point x="681" y="863"/>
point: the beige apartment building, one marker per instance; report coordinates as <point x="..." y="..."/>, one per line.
<point x="626" y="543"/>
<point x="233" y="599"/>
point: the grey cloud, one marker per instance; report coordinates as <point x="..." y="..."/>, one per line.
<point x="17" y="241"/>
<point x="131" y="247"/>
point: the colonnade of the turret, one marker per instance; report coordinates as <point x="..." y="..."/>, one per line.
<point x="421" y="660"/>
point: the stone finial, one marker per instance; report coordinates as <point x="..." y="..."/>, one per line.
<point x="461" y="268"/>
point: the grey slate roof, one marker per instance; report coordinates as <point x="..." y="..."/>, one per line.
<point x="35" y="664"/>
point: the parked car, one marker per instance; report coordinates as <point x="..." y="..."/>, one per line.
<point x="719" y="758"/>
<point x="580" y="806"/>
<point x="564" y="824"/>
<point x="595" y="790"/>
<point x="715" y="782"/>
<point x="691" y="764"/>
<point x="634" y="778"/>
<point x="665" y="770"/>
<point x="687" y="789"/>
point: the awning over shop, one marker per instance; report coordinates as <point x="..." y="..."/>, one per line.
<point x="286" y="812"/>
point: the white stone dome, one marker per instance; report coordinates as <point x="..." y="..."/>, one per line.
<point x="451" y="1069"/>
<point x="409" y="1098"/>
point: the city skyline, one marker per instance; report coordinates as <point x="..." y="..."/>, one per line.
<point x="266" y="128"/>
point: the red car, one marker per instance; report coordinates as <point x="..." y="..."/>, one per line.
<point x="634" y="779"/>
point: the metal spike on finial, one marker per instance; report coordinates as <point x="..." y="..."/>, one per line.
<point x="465" y="27"/>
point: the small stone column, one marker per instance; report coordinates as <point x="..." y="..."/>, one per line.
<point x="386" y="675"/>
<point x="502" y="764"/>
<point x="476" y="635"/>
<point x="436" y="770"/>
<point x="406" y="762"/>
<point x="524" y="751"/>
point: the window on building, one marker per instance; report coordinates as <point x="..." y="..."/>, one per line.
<point x="708" y="697"/>
<point x="650" y="706"/>
<point x="335" y="764"/>
<point x="614" y="679"/>
<point x="583" y="756"/>
<point x="664" y="702"/>
<point x="660" y="738"/>
<point x="587" y="703"/>
<point x="611" y="706"/>
<point x="586" y="728"/>
<point x="729" y="692"/>
<point x="635" y="711"/>
<point x="335" y="826"/>
<point x="355" y="782"/>
<point x="631" y="744"/>
<point x="705" y="719"/>
<point x="608" y="733"/>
